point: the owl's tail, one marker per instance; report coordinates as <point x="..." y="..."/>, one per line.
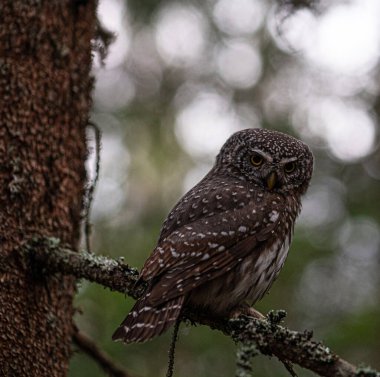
<point x="146" y="321"/>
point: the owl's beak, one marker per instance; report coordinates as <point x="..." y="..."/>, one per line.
<point x="271" y="180"/>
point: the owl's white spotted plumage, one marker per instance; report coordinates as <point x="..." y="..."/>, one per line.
<point x="226" y="240"/>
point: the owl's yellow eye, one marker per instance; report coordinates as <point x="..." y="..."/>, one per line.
<point x="289" y="167"/>
<point x="256" y="160"/>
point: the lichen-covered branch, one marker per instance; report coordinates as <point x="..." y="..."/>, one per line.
<point x="244" y="357"/>
<point x="111" y="273"/>
<point x="273" y="339"/>
<point x="268" y="336"/>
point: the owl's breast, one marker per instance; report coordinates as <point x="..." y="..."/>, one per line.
<point x="258" y="273"/>
<point x="248" y="281"/>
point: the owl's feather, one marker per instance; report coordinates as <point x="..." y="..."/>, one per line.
<point x="145" y="321"/>
<point x="190" y="256"/>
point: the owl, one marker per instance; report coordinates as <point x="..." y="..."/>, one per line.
<point x="226" y="240"/>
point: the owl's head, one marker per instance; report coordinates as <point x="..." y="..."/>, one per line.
<point x="269" y="159"/>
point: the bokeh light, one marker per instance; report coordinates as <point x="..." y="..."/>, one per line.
<point x="347" y="128"/>
<point x="115" y="160"/>
<point x="204" y="125"/>
<point x="238" y="63"/>
<point x="359" y="245"/>
<point x="180" y="78"/>
<point x="323" y="205"/>
<point x="114" y="89"/>
<point x="239" y="16"/>
<point x="180" y="34"/>
<point x="347" y="38"/>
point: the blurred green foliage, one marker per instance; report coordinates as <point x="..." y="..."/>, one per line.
<point x="330" y="283"/>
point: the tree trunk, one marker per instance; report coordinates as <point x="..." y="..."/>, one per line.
<point x="45" y="85"/>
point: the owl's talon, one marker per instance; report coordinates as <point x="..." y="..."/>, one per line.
<point x="247" y="311"/>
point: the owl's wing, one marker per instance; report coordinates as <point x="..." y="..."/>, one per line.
<point x="192" y="255"/>
<point x="212" y="195"/>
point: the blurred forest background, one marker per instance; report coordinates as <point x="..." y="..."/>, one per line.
<point x="179" y="79"/>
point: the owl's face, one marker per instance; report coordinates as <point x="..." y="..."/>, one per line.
<point x="270" y="159"/>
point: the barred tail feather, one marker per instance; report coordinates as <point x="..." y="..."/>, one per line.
<point x="146" y="321"/>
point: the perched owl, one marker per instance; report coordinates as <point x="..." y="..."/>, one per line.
<point x="226" y="240"/>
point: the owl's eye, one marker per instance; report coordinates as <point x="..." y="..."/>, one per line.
<point x="256" y="160"/>
<point x="289" y="167"/>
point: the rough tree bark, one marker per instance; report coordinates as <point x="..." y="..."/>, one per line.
<point x="45" y="85"/>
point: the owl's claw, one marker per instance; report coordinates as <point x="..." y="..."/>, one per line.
<point x="247" y="311"/>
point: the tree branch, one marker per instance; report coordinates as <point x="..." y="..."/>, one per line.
<point x="267" y="336"/>
<point x="50" y="255"/>
<point x="87" y="345"/>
